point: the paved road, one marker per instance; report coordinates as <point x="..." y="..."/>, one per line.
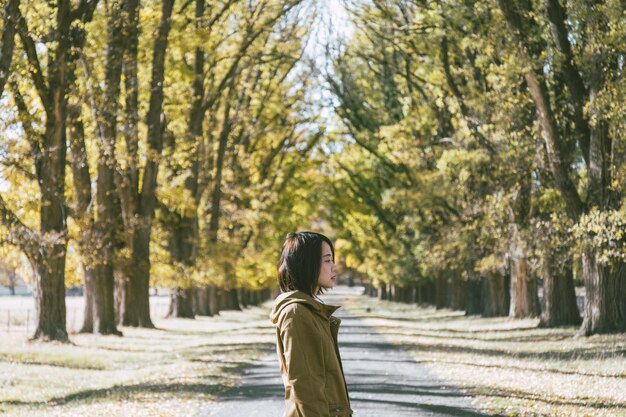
<point x="382" y="380"/>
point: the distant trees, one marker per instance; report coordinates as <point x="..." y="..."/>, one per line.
<point x="479" y="138"/>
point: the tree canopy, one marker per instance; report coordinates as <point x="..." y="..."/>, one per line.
<point x="461" y="153"/>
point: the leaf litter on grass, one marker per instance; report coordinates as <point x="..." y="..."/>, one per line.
<point x="177" y="369"/>
<point x="510" y="367"/>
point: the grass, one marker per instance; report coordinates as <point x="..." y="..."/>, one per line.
<point x="178" y="369"/>
<point x="510" y="367"/>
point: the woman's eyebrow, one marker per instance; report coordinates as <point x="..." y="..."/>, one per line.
<point x="328" y="254"/>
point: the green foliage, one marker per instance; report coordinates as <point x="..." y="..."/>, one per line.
<point x="434" y="151"/>
<point x="603" y="232"/>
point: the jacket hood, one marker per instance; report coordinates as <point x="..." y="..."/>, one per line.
<point x="287" y="298"/>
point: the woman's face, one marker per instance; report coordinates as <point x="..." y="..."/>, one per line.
<point x="328" y="276"/>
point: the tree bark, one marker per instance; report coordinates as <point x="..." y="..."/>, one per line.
<point x="393" y="292"/>
<point x="496" y="295"/>
<point x="181" y="305"/>
<point x="50" y="294"/>
<point x="474" y="303"/>
<point x="12" y="276"/>
<point x="229" y="300"/>
<point x="51" y="267"/>
<point x="7" y="40"/>
<point x="605" y="292"/>
<point x="559" y="297"/>
<point x="140" y="204"/>
<point x="382" y="291"/>
<point x="87" y="326"/>
<point x="243" y="297"/>
<point x="201" y="306"/>
<point x="214" y="306"/>
<point x="442" y="291"/>
<point x="458" y="291"/>
<point x="83" y="212"/>
<point x="128" y="182"/>
<point x="524" y="297"/>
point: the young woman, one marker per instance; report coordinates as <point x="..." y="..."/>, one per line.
<point x="306" y="331"/>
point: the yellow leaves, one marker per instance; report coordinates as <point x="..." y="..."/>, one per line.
<point x="602" y="231"/>
<point x="491" y="263"/>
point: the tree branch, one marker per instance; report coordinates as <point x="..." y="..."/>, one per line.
<point x="84" y="11"/>
<point x="460" y="100"/>
<point x="33" y="61"/>
<point x="35" y="138"/>
<point x="361" y="191"/>
<point x="557" y="17"/>
<point x="19" y="234"/>
<point x="7" y="41"/>
<point x="539" y="93"/>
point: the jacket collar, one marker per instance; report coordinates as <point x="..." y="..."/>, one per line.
<point x="290" y="297"/>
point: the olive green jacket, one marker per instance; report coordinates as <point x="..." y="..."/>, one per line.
<point x="306" y="343"/>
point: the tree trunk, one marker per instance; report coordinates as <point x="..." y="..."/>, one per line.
<point x="252" y="298"/>
<point x="222" y="300"/>
<point x="419" y="296"/>
<point x="139" y="205"/>
<point x="135" y="291"/>
<point x="243" y="297"/>
<point x="104" y="320"/>
<point x="128" y="182"/>
<point x="441" y="290"/>
<point x="559" y="297"/>
<point x="496" y="295"/>
<point x="457" y="291"/>
<point x="88" y="286"/>
<point x="524" y="297"/>
<point x="184" y="228"/>
<point x="474" y="298"/>
<point x="83" y="213"/>
<point x="12" y="280"/>
<point x="122" y="290"/>
<point x="605" y="295"/>
<point x="256" y="297"/>
<point x="103" y="285"/>
<point x="50" y="295"/>
<point x="214" y="305"/>
<point x="181" y="305"/>
<point x="393" y="292"/>
<point x="50" y="275"/>
<point x="429" y="293"/>
<point x="230" y="300"/>
<point x="201" y="306"/>
<point x="382" y="291"/>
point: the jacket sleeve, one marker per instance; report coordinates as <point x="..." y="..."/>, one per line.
<point x="304" y="362"/>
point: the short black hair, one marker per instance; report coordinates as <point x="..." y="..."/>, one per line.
<point x="301" y="261"/>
